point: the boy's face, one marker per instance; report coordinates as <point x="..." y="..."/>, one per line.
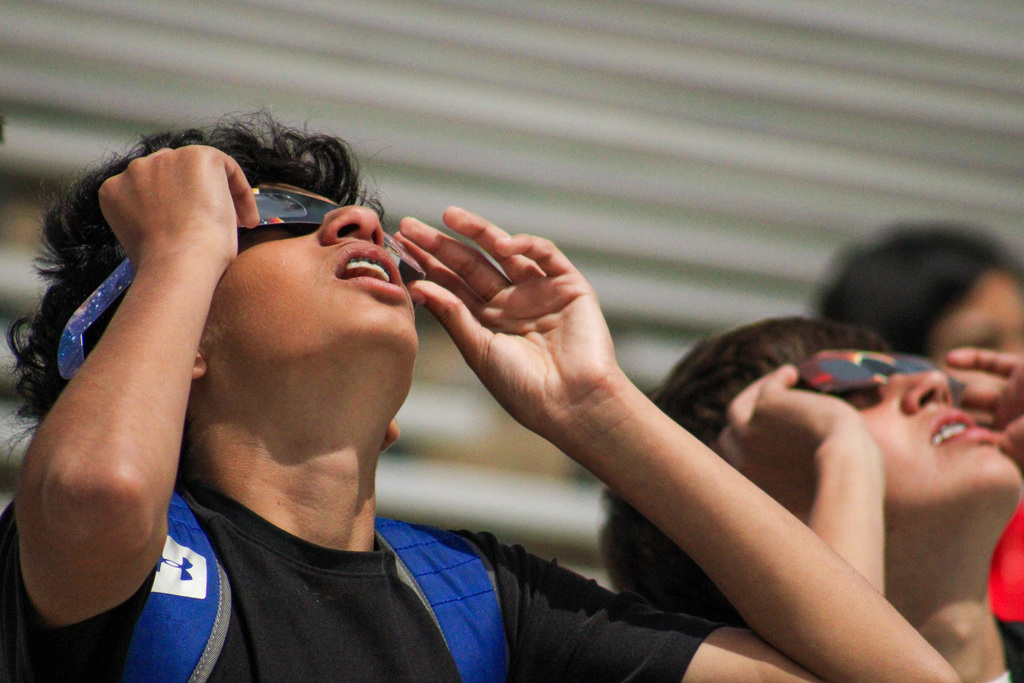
<point x="312" y="302"/>
<point x="989" y="316"/>
<point x="934" y="453"/>
<point x="939" y="466"/>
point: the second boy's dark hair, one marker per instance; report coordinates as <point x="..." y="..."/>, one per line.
<point x="80" y="250"/>
<point x="697" y="395"/>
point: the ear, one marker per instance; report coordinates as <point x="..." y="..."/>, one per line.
<point x="391" y="435"/>
<point x="199" y="367"/>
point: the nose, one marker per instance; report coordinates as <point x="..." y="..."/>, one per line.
<point x="920" y="389"/>
<point x="352" y="222"/>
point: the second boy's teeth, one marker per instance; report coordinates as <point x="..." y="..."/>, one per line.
<point x="948" y="431"/>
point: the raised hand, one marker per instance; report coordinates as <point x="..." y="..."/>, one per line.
<point x="771" y="421"/>
<point x="119" y="421"/>
<point x="532" y="330"/>
<point x="994" y="393"/>
<point x="813" y="452"/>
<point x="176" y="199"/>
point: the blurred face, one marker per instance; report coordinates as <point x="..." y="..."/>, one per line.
<point x="936" y="458"/>
<point x="990" y="316"/>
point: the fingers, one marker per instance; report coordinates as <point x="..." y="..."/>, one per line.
<point x="742" y="407"/>
<point x="985" y="360"/>
<point x="434" y="251"/>
<point x="995" y="384"/>
<point x="455" y="317"/>
<point x="241" y="194"/>
<point x="981" y="389"/>
<point x="193" y="195"/>
<point x="463" y="268"/>
<point x="520" y="256"/>
<point x="784" y="377"/>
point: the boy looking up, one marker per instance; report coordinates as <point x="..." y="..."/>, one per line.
<point x="259" y="368"/>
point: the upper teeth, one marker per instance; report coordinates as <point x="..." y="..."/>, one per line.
<point x="372" y="265"/>
<point x="948" y="431"/>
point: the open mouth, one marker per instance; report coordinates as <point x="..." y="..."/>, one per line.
<point x="948" y="431"/>
<point x="365" y="267"/>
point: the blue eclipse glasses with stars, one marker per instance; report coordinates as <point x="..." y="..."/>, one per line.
<point x="302" y="213"/>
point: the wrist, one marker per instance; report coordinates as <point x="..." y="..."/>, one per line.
<point x="848" y="453"/>
<point x="599" y="418"/>
<point x="189" y="258"/>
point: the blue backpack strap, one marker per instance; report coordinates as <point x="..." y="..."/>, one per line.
<point x="459" y="590"/>
<point x="182" y="627"/>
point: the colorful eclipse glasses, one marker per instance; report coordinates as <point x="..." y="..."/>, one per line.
<point x="301" y="213"/>
<point x="839" y="372"/>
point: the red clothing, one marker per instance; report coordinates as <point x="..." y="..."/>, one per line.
<point x="1006" y="579"/>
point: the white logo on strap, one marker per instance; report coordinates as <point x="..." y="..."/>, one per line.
<point x="182" y="571"/>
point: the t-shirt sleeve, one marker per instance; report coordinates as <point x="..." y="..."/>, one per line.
<point x="93" y="650"/>
<point x="562" y="626"/>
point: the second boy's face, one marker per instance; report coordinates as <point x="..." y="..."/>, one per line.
<point x="935" y="456"/>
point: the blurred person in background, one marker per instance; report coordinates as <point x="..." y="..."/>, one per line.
<point x="929" y="288"/>
<point x="872" y="453"/>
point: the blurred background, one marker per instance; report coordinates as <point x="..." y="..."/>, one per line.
<point x="701" y="162"/>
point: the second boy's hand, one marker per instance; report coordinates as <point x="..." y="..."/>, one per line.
<point x="995" y="392"/>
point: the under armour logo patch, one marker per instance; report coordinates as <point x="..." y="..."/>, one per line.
<point x="182" y="571"/>
<point x="184" y="566"/>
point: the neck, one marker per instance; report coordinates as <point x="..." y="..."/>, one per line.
<point x="327" y="499"/>
<point x="967" y="636"/>
<point x="303" y="459"/>
<point x="939" y="583"/>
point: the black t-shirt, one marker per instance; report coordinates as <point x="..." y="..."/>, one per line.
<point x="1013" y="648"/>
<point x="301" y="612"/>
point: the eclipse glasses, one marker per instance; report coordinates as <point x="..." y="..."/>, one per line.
<point x="840" y="372"/>
<point x="275" y="206"/>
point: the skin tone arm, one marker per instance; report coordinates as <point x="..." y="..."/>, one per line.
<point x="98" y="475"/>
<point x="814" y="454"/>
<point x="538" y="341"/>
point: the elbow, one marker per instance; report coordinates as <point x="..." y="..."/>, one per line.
<point x="96" y="508"/>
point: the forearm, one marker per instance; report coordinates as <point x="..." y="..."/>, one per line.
<point x="99" y="473"/>
<point x="849" y="508"/>
<point x="789" y="586"/>
<point x="535" y="336"/>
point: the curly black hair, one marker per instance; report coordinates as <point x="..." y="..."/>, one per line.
<point x="697" y="394"/>
<point x="80" y="250"/>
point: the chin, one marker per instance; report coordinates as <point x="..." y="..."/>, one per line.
<point x="996" y="488"/>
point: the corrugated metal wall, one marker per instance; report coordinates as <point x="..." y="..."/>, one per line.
<point x="701" y="161"/>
